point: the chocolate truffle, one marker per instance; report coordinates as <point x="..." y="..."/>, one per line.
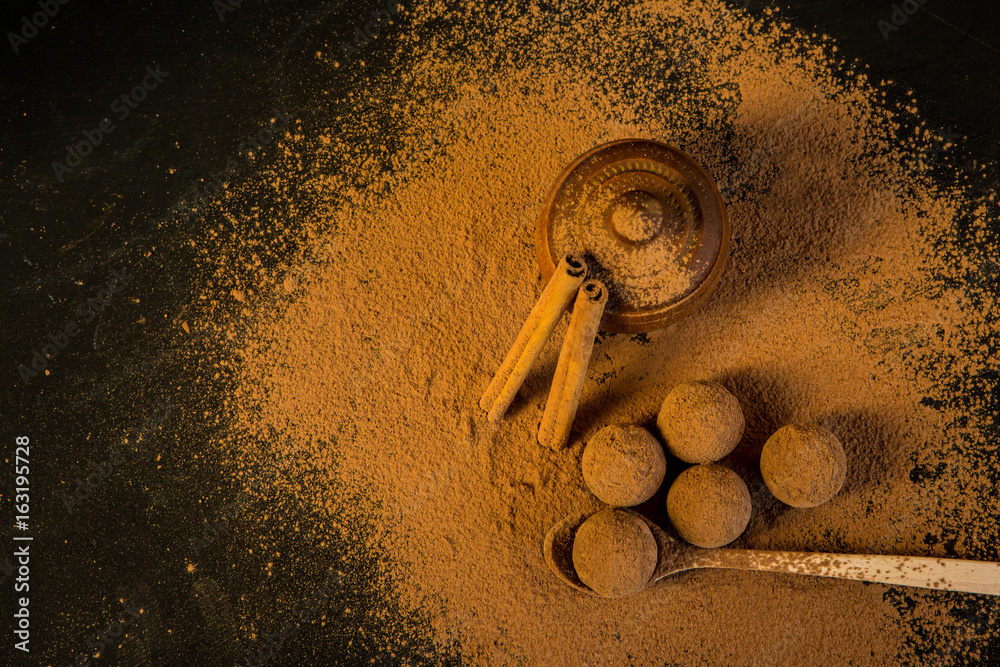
<point x="624" y="465"/>
<point x="614" y="553"/>
<point x="803" y="465"/>
<point x="700" y="422"/>
<point x="709" y="505"/>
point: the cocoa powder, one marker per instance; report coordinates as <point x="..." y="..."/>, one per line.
<point x="846" y="303"/>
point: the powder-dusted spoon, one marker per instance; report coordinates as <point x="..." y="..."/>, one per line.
<point x="947" y="574"/>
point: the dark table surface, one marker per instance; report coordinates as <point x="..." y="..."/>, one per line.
<point x="215" y="75"/>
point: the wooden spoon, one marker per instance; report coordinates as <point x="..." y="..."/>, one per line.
<point x="948" y="574"/>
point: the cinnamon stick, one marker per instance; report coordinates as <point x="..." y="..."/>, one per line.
<point x="571" y="370"/>
<point x="565" y="282"/>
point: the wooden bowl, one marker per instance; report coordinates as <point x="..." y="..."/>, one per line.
<point x="651" y="225"/>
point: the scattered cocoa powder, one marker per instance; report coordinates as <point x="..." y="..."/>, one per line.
<point x="614" y="553"/>
<point x="851" y="300"/>
<point x="803" y="465"/>
<point x="623" y="465"/>
<point x="700" y="422"/>
<point x="709" y="505"/>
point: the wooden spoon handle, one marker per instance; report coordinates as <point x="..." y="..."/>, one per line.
<point x="968" y="576"/>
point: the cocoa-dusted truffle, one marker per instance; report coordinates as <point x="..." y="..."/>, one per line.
<point x="700" y="422"/>
<point x="624" y="465"/>
<point x="614" y="553"/>
<point x="709" y="505"/>
<point x="803" y="465"/>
